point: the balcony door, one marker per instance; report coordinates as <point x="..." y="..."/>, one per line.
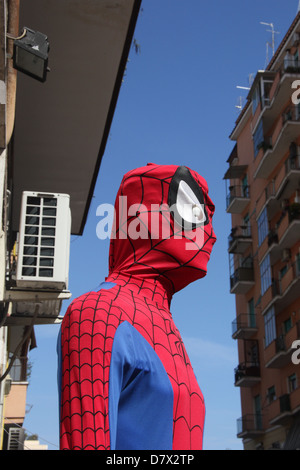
<point x="251" y="313"/>
<point x="257" y="413"/>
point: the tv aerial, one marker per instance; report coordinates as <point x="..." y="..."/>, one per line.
<point x="240" y="104"/>
<point x="272" y="44"/>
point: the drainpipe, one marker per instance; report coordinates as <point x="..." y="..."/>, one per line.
<point x="13" y="30"/>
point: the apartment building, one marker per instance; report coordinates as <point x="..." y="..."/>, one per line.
<point x="263" y="198"/>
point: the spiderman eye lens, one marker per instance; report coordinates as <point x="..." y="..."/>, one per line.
<point x="188" y="205"/>
<point x="186" y="200"/>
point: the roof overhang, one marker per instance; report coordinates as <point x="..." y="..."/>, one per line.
<point x="62" y="125"/>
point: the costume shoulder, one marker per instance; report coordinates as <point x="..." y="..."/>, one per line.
<point x="103" y="301"/>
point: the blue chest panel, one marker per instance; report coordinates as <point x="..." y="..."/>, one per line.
<point x="140" y="394"/>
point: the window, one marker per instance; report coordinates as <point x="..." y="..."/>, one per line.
<point x="270" y="326"/>
<point x="251" y="310"/>
<point x="287" y="325"/>
<point x="245" y="187"/>
<point x="283" y="271"/>
<point x="262" y="226"/>
<point x="296" y="58"/>
<point x="257" y="411"/>
<point x="258" y="138"/>
<point x="298" y="264"/>
<point x="271" y="394"/>
<point x="292" y="383"/>
<point x="265" y="275"/>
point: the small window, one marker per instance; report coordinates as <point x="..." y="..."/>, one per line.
<point x="292" y="383"/>
<point x="262" y="226"/>
<point x="258" y="138"/>
<point x="287" y="325"/>
<point x="283" y="271"/>
<point x="265" y="274"/>
<point x="271" y="394"/>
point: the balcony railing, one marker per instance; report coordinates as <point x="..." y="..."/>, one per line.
<point x="237" y="199"/>
<point x="280" y="410"/>
<point x="250" y="426"/>
<point x="239" y="239"/>
<point x="291" y="65"/>
<point x="244" y="326"/>
<point x="247" y="374"/>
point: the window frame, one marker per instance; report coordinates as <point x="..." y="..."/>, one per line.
<point x="270" y="326"/>
<point x="265" y="274"/>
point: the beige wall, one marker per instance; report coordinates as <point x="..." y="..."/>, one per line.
<point x="15" y="403"/>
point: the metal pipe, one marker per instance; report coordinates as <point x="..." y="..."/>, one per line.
<point x="13" y="30"/>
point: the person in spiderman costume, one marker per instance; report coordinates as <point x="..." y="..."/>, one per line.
<point x="126" y="381"/>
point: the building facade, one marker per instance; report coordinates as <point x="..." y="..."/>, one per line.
<point x="53" y="135"/>
<point x="263" y="198"/>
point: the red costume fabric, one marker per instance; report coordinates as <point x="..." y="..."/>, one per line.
<point x="104" y="402"/>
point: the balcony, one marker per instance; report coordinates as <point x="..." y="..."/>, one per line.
<point x="289" y="285"/>
<point x="283" y="236"/>
<point x="278" y="353"/>
<point x="286" y="131"/>
<point x="240" y="239"/>
<point x="284" y="291"/>
<point x="244" y="326"/>
<point x="284" y="408"/>
<point x="283" y="186"/>
<point x="247" y="374"/>
<point x="237" y="199"/>
<point x="280" y="410"/>
<point x="288" y="228"/>
<point x="242" y="279"/>
<point x="250" y="426"/>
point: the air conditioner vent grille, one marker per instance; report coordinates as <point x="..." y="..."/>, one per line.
<point x="40" y="222"/>
<point x="44" y="237"/>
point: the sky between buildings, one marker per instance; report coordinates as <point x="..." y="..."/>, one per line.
<point x="177" y="105"/>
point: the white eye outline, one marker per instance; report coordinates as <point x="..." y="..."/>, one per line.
<point x="186" y="201"/>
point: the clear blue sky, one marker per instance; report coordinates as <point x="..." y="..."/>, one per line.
<point x="176" y="106"/>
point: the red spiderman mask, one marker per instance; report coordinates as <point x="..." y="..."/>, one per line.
<point x="163" y="226"/>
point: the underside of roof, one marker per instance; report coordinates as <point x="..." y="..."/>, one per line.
<point x="62" y="125"/>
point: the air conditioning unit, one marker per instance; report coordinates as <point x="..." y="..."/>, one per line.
<point x="286" y="254"/>
<point x="44" y="241"/>
<point x="16" y="438"/>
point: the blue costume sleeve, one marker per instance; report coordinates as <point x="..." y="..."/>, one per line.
<point x="140" y="394"/>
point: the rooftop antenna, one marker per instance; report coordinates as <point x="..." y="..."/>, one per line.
<point x="240" y="104"/>
<point x="272" y="30"/>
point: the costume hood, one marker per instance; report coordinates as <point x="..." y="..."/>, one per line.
<point x="163" y="226"/>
